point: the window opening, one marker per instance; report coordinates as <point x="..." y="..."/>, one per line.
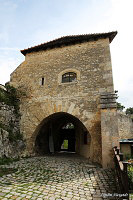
<point x="42" y="80"/>
<point x="69" y="77"/>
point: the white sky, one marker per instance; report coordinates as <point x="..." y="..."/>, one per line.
<point x="26" y="23"/>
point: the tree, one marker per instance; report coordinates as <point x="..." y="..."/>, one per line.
<point x="120" y="107"/>
<point x="129" y="111"/>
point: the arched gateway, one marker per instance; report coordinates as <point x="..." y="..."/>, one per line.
<point x="68" y="97"/>
<point x="51" y="133"/>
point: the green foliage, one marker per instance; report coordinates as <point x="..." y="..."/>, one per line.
<point x="130" y="176"/>
<point x="15" y="136"/>
<point x="10" y="97"/>
<point x="65" y="144"/>
<point x="6" y="161"/>
<point x="127" y="156"/>
<point x="4" y="171"/>
<point x="129" y="110"/>
<point x="68" y="126"/>
<point x="2" y="126"/>
<point x="120" y="107"/>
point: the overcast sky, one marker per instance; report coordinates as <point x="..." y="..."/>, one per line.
<point x="25" y="23"/>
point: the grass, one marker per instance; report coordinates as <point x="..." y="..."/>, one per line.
<point x="7" y="161"/>
<point x="131" y="196"/>
<point x="86" y="184"/>
<point x="5" y="171"/>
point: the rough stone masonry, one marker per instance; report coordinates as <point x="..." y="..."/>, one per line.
<point x="49" y="103"/>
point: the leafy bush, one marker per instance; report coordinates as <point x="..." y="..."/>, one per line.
<point x="5" y="171"/>
<point x="15" y="136"/>
<point x="129" y="110"/>
<point x="120" y="106"/>
<point x="10" y="97"/>
<point x="6" y="161"/>
<point x="127" y="156"/>
<point x="130" y="176"/>
<point x="2" y="126"/>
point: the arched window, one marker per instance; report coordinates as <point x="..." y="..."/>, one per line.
<point x="69" y="77"/>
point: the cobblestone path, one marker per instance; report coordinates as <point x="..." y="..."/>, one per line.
<point x="57" y="177"/>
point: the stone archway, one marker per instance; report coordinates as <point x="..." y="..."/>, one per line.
<point x="49" y="135"/>
<point x="36" y="114"/>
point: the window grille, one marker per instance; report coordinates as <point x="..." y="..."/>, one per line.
<point x="69" y="77"/>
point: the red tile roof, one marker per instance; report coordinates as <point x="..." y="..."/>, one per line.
<point x="69" y="40"/>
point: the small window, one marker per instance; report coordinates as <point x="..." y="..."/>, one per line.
<point x="69" y="77"/>
<point x="42" y="82"/>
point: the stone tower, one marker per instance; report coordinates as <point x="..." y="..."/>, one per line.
<point x="68" y="81"/>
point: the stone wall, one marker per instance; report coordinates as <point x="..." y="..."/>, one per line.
<point x="125" y="126"/>
<point x="92" y="63"/>
<point x="11" y="145"/>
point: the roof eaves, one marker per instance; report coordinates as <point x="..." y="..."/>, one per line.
<point x="67" y="40"/>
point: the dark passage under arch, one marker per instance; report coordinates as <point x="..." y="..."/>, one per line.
<point x="61" y="132"/>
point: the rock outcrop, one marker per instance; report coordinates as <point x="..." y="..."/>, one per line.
<point x="11" y="140"/>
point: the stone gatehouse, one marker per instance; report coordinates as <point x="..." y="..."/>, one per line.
<point x="69" y="96"/>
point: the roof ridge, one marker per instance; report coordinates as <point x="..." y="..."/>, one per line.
<point x="68" y="39"/>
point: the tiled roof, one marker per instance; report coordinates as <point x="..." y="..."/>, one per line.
<point x="69" y="40"/>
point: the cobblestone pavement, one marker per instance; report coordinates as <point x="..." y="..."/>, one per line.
<point x="57" y="177"/>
